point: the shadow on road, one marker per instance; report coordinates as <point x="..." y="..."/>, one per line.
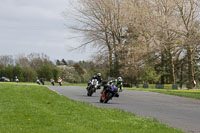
<point x="109" y="103"/>
<point x="86" y="96"/>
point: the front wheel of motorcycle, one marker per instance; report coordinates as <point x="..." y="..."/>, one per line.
<point x="108" y="97"/>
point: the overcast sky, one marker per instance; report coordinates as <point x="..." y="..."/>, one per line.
<point x="38" y="26"/>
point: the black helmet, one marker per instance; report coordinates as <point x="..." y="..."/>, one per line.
<point x="109" y="82"/>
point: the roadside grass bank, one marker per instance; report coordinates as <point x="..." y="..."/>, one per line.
<point x="46" y="83"/>
<point x="36" y="109"/>
<point x="68" y="84"/>
<point x="183" y="93"/>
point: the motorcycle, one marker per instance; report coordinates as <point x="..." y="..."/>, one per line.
<point x="108" y="93"/>
<point x="60" y="83"/>
<point x="42" y="81"/>
<point x="92" y="87"/>
<point x="38" y="81"/>
<point x="53" y="82"/>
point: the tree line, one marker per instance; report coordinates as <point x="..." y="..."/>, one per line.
<point x="28" y="68"/>
<point x="155" y="41"/>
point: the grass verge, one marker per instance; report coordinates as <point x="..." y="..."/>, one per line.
<point x="183" y="93"/>
<point x="36" y="109"/>
<point x="46" y="83"/>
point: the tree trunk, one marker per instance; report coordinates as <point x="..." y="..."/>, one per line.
<point x="162" y="71"/>
<point x="181" y="75"/>
<point x="110" y="53"/>
<point x="115" y="52"/>
<point x="110" y="62"/>
<point x="116" y="62"/>
<point x="116" y="66"/>
<point x="190" y="69"/>
<point x="172" y="71"/>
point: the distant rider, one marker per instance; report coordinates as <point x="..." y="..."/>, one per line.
<point x="42" y="81"/>
<point x="37" y="81"/>
<point x="16" y="79"/>
<point x="52" y="81"/>
<point x="60" y="81"/>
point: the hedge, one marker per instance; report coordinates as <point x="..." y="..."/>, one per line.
<point x="158" y="86"/>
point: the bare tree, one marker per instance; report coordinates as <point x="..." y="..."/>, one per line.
<point x="188" y="16"/>
<point x="22" y="60"/>
<point x="6" y="60"/>
<point x="101" y="24"/>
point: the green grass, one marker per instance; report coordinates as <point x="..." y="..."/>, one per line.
<point x="46" y="83"/>
<point x="36" y="109"/>
<point x="183" y="93"/>
<point x="68" y="84"/>
<point x="20" y="83"/>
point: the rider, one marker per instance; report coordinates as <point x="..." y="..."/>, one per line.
<point x="42" y="81"/>
<point x="60" y="81"/>
<point x="110" y="87"/>
<point x="115" y="83"/>
<point x="52" y="81"/>
<point x="38" y="81"/>
<point x="119" y="83"/>
<point x="98" y="78"/>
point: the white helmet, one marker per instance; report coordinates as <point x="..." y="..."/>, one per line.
<point x="119" y="79"/>
<point x="99" y="74"/>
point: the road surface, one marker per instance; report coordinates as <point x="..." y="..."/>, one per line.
<point x="177" y="112"/>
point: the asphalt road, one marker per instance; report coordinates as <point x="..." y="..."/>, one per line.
<point x="177" y="112"/>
